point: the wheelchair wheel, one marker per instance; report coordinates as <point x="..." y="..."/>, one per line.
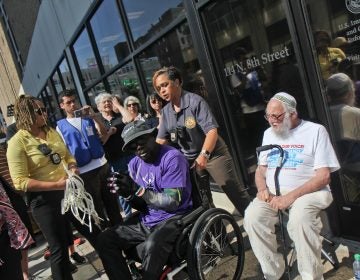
<point x="216" y="248"/>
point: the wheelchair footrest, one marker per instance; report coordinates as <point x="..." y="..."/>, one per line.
<point x="169" y="272"/>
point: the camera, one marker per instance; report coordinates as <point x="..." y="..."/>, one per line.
<point x="81" y="113"/>
<point x="178" y="133"/>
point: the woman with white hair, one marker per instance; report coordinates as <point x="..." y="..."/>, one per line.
<point x="133" y="105"/>
<point x="115" y="123"/>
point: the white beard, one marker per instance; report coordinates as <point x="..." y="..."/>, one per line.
<point x="283" y="129"/>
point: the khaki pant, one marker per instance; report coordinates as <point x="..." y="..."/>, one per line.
<point x="304" y="228"/>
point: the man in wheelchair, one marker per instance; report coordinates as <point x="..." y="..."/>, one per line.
<point x="159" y="187"/>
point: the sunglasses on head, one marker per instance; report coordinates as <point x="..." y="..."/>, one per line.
<point x="40" y="111"/>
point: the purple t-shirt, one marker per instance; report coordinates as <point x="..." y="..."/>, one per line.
<point x="170" y="170"/>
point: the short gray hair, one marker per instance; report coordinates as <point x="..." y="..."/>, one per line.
<point x="100" y="97"/>
<point x="133" y="99"/>
<point x="339" y="85"/>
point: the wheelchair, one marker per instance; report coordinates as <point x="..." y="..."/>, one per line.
<point x="210" y="245"/>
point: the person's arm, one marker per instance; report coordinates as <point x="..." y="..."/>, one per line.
<point x="168" y="200"/>
<point x="208" y="124"/>
<point x="99" y="125"/>
<point x="112" y="130"/>
<point x="126" y="116"/>
<point x="17" y="160"/>
<point x="316" y="183"/>
<point x="209" y="145"/>
<point x="260" y="182"/>
<point x="161" y="141"/>
<point x="162" y="131"/>
<point x="36" y="185"/>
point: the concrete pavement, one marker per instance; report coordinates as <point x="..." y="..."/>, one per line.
<point x="93" y="269"/>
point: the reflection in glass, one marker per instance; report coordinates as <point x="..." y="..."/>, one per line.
<point x="57" y="82"/>
<point x="51" y="103"/>
<point x="255" y="53"/>
<point x="146" y="18"/>
<point x="86" y="58"/>
<point x="109" y="34"/>
<point x="93" y="92"/>
<point x="337" y="41"/>
<point x="66" y="75"/>
<point x="124" y="82"/>
<point x="175" y="49"/>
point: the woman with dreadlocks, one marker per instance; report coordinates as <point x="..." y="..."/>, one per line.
<point x="35" y="155"/>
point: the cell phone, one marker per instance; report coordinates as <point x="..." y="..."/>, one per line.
<point x="81" y="113"/>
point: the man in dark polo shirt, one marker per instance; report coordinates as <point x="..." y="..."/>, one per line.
<point x="188" y="122"/>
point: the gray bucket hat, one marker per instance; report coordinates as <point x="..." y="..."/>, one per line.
<point x="134" y="130"/>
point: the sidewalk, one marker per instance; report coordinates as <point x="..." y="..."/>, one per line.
<point x="93" y="269"/>
<point x="345" y="250"/>
<point x="40" y="267"/>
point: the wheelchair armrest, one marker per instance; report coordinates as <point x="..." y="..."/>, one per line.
<point x="189" y="218"/>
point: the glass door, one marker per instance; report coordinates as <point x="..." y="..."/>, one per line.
<point x="255" y="58"/>
<point x="336" y="36"/>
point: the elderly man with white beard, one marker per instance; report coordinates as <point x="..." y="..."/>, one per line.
<point x="304" y="179"/>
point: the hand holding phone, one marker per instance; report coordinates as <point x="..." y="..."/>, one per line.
<point x="82" y="113"/>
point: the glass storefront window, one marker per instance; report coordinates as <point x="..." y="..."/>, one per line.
<point x="337" y="42"/>
<point x="255" y="54"/>
<point x="66" y="74"/>
<point x="124" y="82"/>
<point x="109" y="34"/>
<point x="86" y="59"/>
<point x="57" y="82"/>
<point x="93" y="92"/>
<point x="146" y="18"/>
<point x="50" y="102"/>
<point x="175" y="49"/>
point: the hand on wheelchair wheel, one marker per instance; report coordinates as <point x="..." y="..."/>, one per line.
<point x="121" y="184"/>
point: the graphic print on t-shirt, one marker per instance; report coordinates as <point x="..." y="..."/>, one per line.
<point x="292" y="158"/>
<point x="149" y="180"/>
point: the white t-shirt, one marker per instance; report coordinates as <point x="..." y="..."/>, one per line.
<point x="346" y="120"/>
<point x="306" y="149"/>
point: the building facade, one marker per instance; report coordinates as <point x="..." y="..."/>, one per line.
<point x="116" y="45"/>
<point x="17" y="17"/>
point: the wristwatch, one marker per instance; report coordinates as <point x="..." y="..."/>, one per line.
<point x="205" y="153"/>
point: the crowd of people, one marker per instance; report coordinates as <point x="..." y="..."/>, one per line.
<point x="141" y="160"/>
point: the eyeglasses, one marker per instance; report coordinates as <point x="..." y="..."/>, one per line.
<point x="153" y="101"/>
<point x="132" y="104"/>
<point x="40" y="111"/>
<point x="273" y="116"/>
<point x="46" y="151"/>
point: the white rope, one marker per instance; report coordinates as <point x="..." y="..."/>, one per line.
<point x="78" y="200"/>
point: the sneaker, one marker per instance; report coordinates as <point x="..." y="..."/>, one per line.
<point x="78" y="241"/>
<point x="73" y="267"/>
<point x="47" y="253"/>
<point x="76" y="258"/>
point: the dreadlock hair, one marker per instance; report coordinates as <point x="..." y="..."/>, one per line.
<point x="24" y="112"/>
